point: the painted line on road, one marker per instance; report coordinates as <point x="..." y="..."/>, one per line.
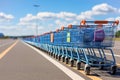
<point x="118" y="65"/>
<point x="111" y="54"/>
<point x="67" y="71"/>
<point x="7" y="50"/>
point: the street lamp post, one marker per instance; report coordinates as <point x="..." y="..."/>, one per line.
<point x="36" y="6"/>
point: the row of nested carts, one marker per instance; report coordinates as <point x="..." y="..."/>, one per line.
<point x="87" y="43"/>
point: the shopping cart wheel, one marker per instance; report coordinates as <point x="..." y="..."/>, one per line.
<point x="59" y="57"/>
<point x="49" y="53"/>
<point x="71" y="63"/>
<point x="56" y="56"/>
<point x="87" y="69"/>
<point x="78" y="65"/>
<point x="101" y="66"/>
<point x="63" y="59"/>
<point x="53" y="55"/>
<point x="113" y="70"/>
<point x="66" y="60"/>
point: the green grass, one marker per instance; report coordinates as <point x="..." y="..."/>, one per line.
<point x="117" y="39"/>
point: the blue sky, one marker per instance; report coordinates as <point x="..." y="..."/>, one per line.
<point x="19" y="17"/>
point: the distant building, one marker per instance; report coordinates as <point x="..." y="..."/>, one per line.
<point x="1" y="35"/>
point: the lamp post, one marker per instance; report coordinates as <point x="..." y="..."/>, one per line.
<point x="36" y="6"/>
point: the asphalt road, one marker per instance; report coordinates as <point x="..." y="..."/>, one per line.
<point x="24" y="63"/>
<point x="4" y="44"/>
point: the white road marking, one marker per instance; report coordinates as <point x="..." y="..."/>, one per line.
<point x="109" y="54"/>
<point x="114" y="54"/>
<point x="67" y="71"/>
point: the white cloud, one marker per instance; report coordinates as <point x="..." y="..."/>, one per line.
<point x="100" y="9"/>
<point x="118" y="18"/>
<point x="59" y="19"/>
<point x="67" y="15"/>
<point x="46" y="15"/>
<point x="28" y="17"/>
<point x="113" y="19"/>
<point x="119" y="11"/>
<point x="14" y="30"/>
<point x="51" y="15"/>
<point x="103" y="9"/>
<point x="58" y="22"/>
<point x="49" y="21"/>
<point x="66" y="23"/>
<point x="85" y="15"/>
<point x="5" y="17"/>
<point x="110" y="19"/>
<point x="28" y="21"/>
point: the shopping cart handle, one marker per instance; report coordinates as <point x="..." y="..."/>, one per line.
<point x="83" y="22"/>
<point x="101" y="22"/>
<point x="117" y="22"/>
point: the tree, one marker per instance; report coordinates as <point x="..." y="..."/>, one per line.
<point x="117" y="34"/>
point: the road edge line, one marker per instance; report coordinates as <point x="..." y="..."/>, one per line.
<point x="2" y="54"/>
<point x="70" y="73"/>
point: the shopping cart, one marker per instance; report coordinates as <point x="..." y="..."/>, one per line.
<point x="85" y="43"/>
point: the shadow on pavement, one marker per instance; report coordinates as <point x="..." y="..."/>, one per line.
<point x="105" y="73"/>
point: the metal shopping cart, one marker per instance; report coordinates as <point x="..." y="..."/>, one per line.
<point x="86" y="43"/>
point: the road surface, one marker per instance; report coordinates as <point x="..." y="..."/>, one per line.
<point x="19" y="61"/>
